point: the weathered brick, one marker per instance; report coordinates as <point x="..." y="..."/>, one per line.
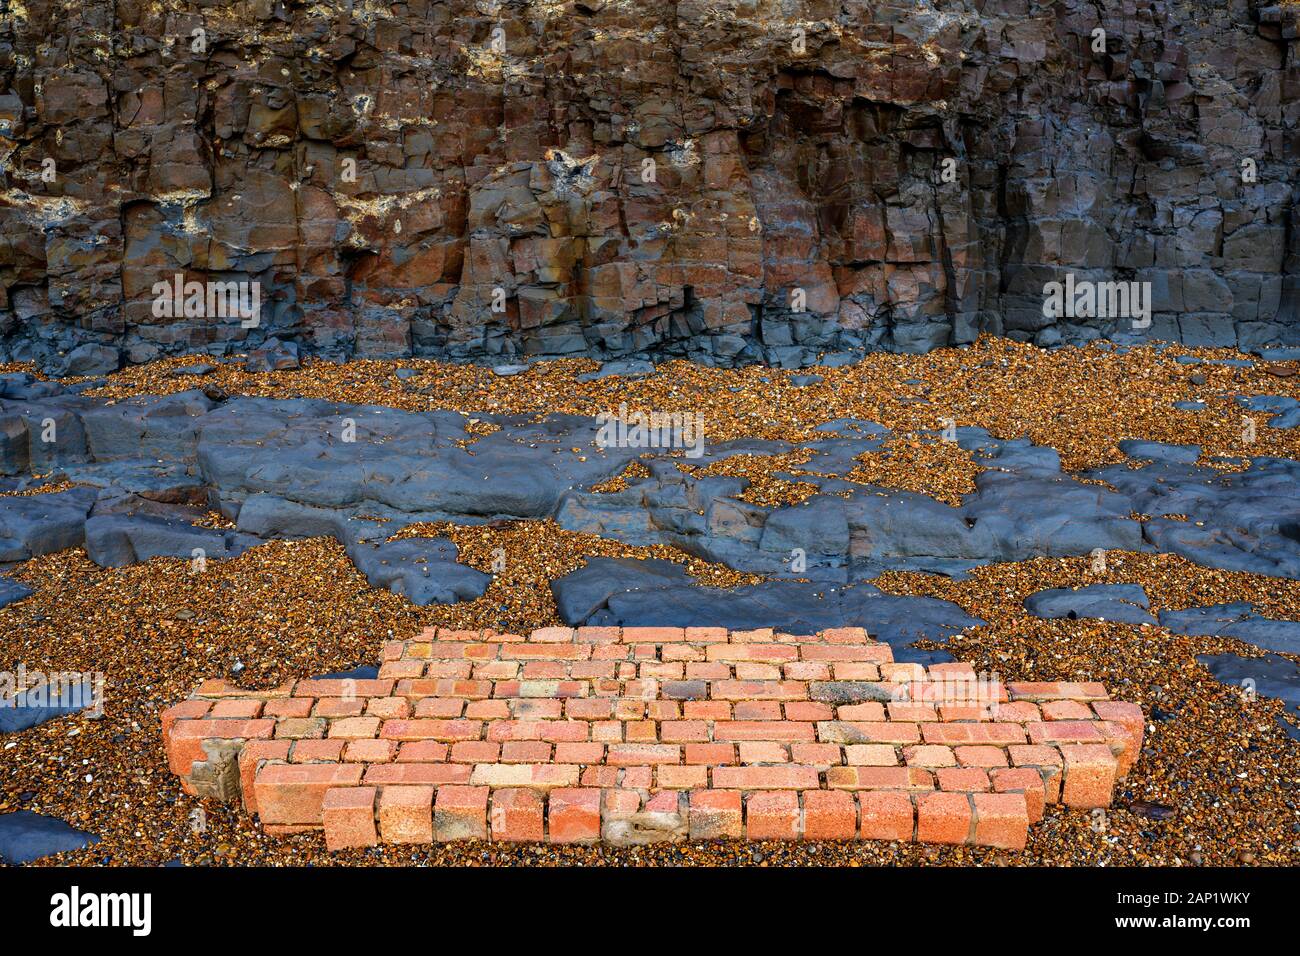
<point x="295" y="793"/>
<point x="460" y="813"/>
<point x="829" y="815"/>
<point x="715" y="815"/>
<point x="349" y="817"/>
<point x="772" y="815"/>
<point x="406" y="814"/>
<point x="886" y="815"/>
<point x="517" y="816"/>
<point x="1001" y="820"/>
<point x="574" y="815"/>
<point x="943" y="818"/>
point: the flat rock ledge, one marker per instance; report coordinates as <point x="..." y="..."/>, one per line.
<point x="631" y="735"/>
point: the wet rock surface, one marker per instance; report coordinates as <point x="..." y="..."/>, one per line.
<point x="1126" y="603"/>
<point x="1268" y="676"/>
<point x="612" y="591"/>
<point x="147" y="470"/>
<point x="34" y="706"/>
<point x="26" y="836"/>
<point x="723" y="181"/>
<point x="1239" y="620"/>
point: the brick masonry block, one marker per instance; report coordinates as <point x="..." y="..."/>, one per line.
<point x="716" y="815"/>
<point x="349" y="817"/>
<point x="574" y="815"/>
<point x="829" y="815"/>
<point x="295" y="793"/>
<point x="1090" y="771"/>
<point x="1001" y="820"/>
<point x="886" y="815"/>
<point x="943" y="818"/>
<point x="517" y="816"/>
<point x="642" y="734"/>
<point x="460" y="813"/>
<point x="406" y="814"/>
<point x="772" y="815"/>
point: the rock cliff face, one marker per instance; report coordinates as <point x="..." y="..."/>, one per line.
<point x="725" y="180"/>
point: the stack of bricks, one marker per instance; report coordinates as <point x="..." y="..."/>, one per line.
<point x="632" y="735"/>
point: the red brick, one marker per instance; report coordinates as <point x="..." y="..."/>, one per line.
<point x="789" y="777"/>
<point x="879" y="778"/>
<point x="316" y="751"/>
<point x="710" y="753"/>
<point x="574" y="815"/>
<point x="406" y="814"/>
<point x="674" y="777"/>
<point x="963" y="779"/>
<point x="1024" y="780"/>
<point x="715" y="815"/>
<point x="829" y="815"/>
<point x="234" y="707"/>
<point x="871" y="755"/>
<point x="370" y="751"/>
<point x="479" y="751"/>
<point x="449" y="708"/>
<point x="1001" y="820"/>
<point x="943" y="818"/>
<point x="295" y="793"/>
<point x="1065" y="732"/>
<point x="929" y="755"/>
<point x="460" y="813"/>
<point x="579" y="753"/>
<point x="1089" y="775"/>
<point x="762" y="751"/>
<point x="1056" y="690"/>
<point x="758" y="690"/>
<point x="629" y="754"/>
<point x="251" y="757"/>
<point x="417" y="774"/>
<point x="421" y="751"/>
<point x="289" y="707"/>
<point x="870" y="732"/>
<point x="820" y="755"/>
<point x="683" y="731"/>
<point x="551" y="730"/>
<point x="1066" y="710"/>
<point x="343" y="688"/>
<point x="886" y="815"/>
<point x="349" y="817"/>
<point x="996" y="734"/>
<point x="772" y="816"/>
<point x="517" y="816"/>
<point x="981" y="756"/>
<point x="1129" y="718"/>
<point x="785" y="730"/>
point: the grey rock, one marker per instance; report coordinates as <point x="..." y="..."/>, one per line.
<point x="116" y="541"/>
<point x="272" y="357"/>
<point x="90" y="359"/>
<point x="424" y="570"/>
<point x="1159" y="451"/>
<point x="11" y="590"/>
<point x="26" y="836"/>
<point x="1268" y="676"/>
<point x="50" y="699"/>
<point x="1125" y="603"/>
